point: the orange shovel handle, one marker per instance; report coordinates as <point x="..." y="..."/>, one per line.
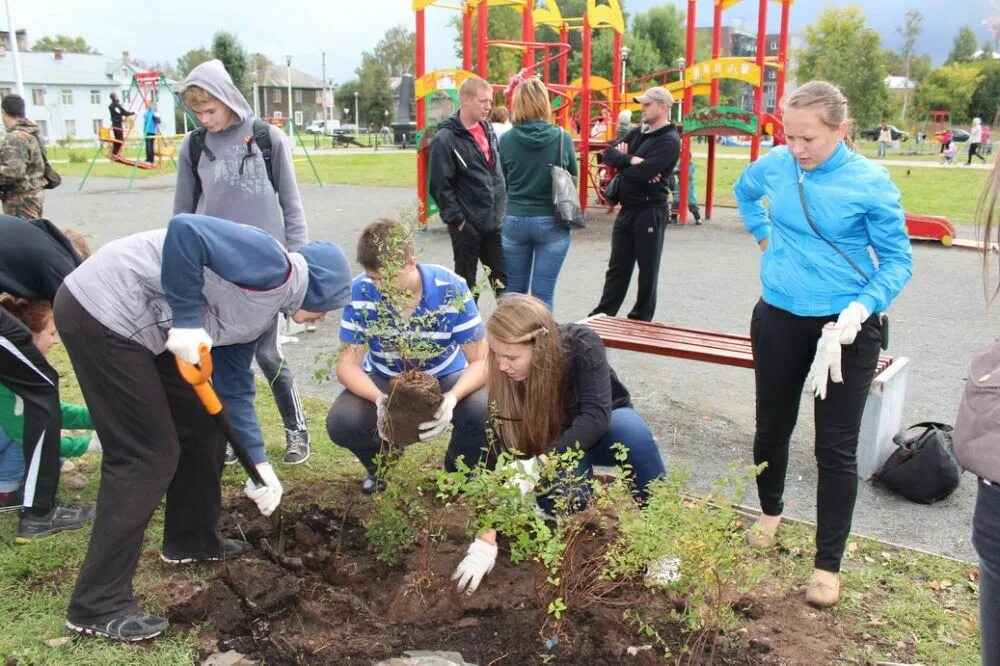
<point x="199" y="376"/>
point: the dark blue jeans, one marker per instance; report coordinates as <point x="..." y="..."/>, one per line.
<point x="534" y="249"/>
<point x="629" y="429"/>
<point x="986" y="539"/>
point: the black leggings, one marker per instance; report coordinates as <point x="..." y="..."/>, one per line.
<point x="783" y="349"/>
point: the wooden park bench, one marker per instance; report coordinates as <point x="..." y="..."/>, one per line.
<point x="883" y="411"/>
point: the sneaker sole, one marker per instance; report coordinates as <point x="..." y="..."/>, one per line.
<point x="296" y="462"/>
<point x="89" y="631"/>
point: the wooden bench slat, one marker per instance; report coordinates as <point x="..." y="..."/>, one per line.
<point x="674" y="341"/>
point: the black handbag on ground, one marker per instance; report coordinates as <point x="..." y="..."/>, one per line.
<point x="923" y="468"/>
<point x="565" y="197"/>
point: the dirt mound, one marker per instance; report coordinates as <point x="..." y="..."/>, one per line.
<point x="341" y="606"/>
<point x="413" y="399"/>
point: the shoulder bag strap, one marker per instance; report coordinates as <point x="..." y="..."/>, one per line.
<point x="805" y="209"/>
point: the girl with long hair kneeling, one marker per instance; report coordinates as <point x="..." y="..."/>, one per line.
<point x="554" y="390"/>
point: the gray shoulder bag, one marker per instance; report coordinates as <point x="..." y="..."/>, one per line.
<point x="565" y="198"/>
<point x="977" y="426"/>
<point x="883" y="319"/>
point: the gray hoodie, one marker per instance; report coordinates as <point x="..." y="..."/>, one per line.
<point x="247" y="198"/>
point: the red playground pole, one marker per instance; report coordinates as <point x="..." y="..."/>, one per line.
<point x="782" y="55"/>
<point x="528" y="35"/>
<point x="482" y="64"/>
<point x="563" y="73"/>
<point x="682" y="200"/>
<point x="419" y="67"/>
<point x="617" y="95"/>
<point x="758" y="92"/>
<point x="585" y="114"/>
<point x="713" y="101"/>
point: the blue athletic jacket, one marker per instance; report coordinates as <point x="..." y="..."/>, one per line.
<point x="854" y="204"/>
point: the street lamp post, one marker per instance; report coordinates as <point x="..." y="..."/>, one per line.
<point x="333" y="99"/>
<point x="624" y="64"/>
<point x="357" y="122"/>
<point x="288" y="65"/>
<point x="681" y="62"/>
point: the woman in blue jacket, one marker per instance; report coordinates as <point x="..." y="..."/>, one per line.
<point x="816" y="320"/>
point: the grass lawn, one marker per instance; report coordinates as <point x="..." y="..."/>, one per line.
<point x="897" y="602"/>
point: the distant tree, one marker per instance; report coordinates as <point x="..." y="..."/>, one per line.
<point x="643" y="58"/>
<point x="841" y="48"/>
<point x="986" y="50"/>
<point x="910" y="31"/>
<point x="950" y="87"/>
<point x="227" y="48"/>
<point x="963" y="47"/>
<point x="64" y="42"/>
<point x="374" y="94"/>
<point x="986" y="96"/>
<point x="165" y="69"/>
<point x="663" y="26"/>
<point x="192" y="59"/>
<point x="396" y="50"/>
<point x="344" y="97"/>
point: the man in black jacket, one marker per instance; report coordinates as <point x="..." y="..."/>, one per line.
<point x="118" y="112"/>
<point x="646" y="157"/>
<point x="34" y="259"/>
<point x="468" y="185"/>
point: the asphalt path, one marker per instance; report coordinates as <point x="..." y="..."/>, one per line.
<point x="701" y="414"/>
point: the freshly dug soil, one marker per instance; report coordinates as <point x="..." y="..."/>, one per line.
<point x="338" y="605"/>
<point x="414" y="396"/>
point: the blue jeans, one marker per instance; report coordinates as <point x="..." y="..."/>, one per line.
<point x="11" y="463"/>
<point x="629" y="429"/>
<point x="534" y="249"/>
<point x="882" y="148"/>
<point x="986" y="539"/>
<point x="234" y="383"/>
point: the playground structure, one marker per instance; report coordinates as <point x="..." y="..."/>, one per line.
<point x="145" y="89"/>
<point x="574" y="101"/>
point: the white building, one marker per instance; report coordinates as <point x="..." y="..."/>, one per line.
<point x="68" y="94"/>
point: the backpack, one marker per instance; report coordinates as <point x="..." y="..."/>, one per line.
<point x="261" y="137"/>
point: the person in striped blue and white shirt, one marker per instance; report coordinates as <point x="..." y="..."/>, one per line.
<point x="441" y="319"/>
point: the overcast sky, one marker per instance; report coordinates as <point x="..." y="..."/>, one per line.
<point x="345" y="28"/>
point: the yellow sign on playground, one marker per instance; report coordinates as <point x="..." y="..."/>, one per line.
<point x="723" y="68"/>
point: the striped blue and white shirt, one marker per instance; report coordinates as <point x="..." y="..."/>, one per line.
<point x="455" y="316"/>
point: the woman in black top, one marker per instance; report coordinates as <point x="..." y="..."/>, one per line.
<point x="554" y="390"/>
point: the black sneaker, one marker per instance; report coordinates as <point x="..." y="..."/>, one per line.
<point x="228" y="549"/>
<point x="134" y="626"/>
<point x="372" y="485"/>
<point x="230" y="455"/>
<point x="59" y="519"/>
<point x="296" y="447"/>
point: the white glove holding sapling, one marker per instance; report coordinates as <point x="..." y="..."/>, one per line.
<point x="442" y="418"/>
<point x="850" y="320"/>
<point x="525" y="476"/>
<point x="268" y="496"/>
<point x="826" y="363"/>
<point x="186" y="343"/>
<point x="478" y="562"/>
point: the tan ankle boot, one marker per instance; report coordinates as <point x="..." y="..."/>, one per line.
<point x="824" y="588"/>
<point x="763" y="535"/>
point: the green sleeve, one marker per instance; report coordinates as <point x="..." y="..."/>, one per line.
<point x="12" y="424"/>
<point x="73" y="446"/>
<point x="75" y="417"/>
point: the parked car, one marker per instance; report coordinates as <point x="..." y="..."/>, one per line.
<point x="897" y="134"/>
<point x="957" y="135"/>
<point x="315" y="127"/>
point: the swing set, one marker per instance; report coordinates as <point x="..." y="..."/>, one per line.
<point x="144" y="91"/>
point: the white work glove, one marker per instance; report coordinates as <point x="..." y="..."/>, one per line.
<point x="442" y="418"/>
<point x="478" y="562"/>
<point x="268" y="496"/>
<point x="826" y="363"/>
<point x="525" y="476"/>
<point x="186" y="342"/>
<point x="382" y="417"/>
<point x="850" y="320"/>
<point x="94" y="446"/>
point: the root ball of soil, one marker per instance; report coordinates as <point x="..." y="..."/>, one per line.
<point x="414" y="396"/>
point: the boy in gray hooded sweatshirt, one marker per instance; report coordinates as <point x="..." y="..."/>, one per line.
<point x="231" y="182"/>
